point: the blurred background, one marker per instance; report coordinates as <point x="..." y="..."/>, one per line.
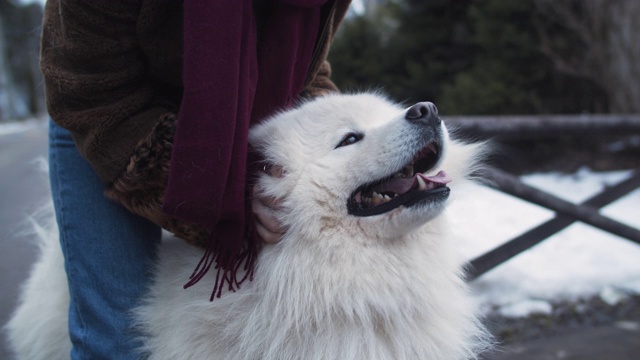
<point x="554" y="83"/>
<point x="495" y="57"/>
<point x="469" y="57"/>
<point x="21" y="91"/>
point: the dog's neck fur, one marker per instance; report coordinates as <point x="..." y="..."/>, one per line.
<point x="305" y="304"/>
<point x="348" y="315"/>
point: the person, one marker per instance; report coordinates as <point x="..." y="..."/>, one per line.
<point x="135" y="90"/>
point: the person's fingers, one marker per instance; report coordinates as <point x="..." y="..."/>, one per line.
<point x="274" y="170"/>
<point x="267" y="225"/>
<point x="270" y="202"/>
<point x="266" y="235"/>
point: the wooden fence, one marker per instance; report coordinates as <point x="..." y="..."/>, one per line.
<point x="538" y="127"/>
<point x="523" y="127"/>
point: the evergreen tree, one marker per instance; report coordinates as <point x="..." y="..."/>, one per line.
<point x="409" y="48"/>
<point x="507" y="67"/>
<point x="357" y="55"/>
<point x="469" y="57"/>
<point x="430" y="46"/>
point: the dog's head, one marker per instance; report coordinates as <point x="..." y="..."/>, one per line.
<point x="360" y="162"/>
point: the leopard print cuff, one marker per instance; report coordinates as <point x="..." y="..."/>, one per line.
<point x="140" y="188"/>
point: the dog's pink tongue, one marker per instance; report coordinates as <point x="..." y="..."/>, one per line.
<point x="403" y="185"/>
<point x="439" y="178"/>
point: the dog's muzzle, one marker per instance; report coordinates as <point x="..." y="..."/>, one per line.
<point x="409" y="185"/>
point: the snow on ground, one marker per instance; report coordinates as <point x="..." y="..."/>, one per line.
<point x="14" y="127"/>
<point x="578" y="262"/>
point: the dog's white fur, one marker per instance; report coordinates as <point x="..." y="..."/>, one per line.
<point x="336" y="287"/>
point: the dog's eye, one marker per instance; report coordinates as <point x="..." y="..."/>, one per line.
<point x="350" y="139"/>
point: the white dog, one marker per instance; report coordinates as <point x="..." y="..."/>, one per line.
<point x="367" y="269"/>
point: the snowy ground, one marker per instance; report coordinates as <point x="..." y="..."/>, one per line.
<point x="12" y="127"/>
<point x="579" y="262"/>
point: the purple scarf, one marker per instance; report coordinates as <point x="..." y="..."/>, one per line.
<point x="236" y="72"/>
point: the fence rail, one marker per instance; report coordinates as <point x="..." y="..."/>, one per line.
<point x="514" y="128"/>
<point x="566" y="214"/>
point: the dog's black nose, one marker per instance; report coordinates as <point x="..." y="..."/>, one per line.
<point x="424" y="112"/>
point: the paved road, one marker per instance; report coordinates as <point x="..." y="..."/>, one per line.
<point x="23" y="189"/>
<point x="618" y="341"/>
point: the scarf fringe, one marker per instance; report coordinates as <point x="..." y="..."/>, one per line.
<point x="228" y="265"/>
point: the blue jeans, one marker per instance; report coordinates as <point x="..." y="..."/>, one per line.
<point x="108" y="252"/>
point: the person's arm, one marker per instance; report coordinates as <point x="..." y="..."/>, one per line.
<point x="97" y="80"/>
<point x="104" y="87"/>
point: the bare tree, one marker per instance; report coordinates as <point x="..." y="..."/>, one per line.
<point x="7" y="94"/>
<point x="21" y="90"/>
<point x="607" y="51"/>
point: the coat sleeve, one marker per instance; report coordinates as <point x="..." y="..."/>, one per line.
<point x="96" y="80"/>
<point x="99" y="86"/>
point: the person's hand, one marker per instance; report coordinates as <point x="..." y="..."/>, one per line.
<point x="266" y="208"/>
<point x="267" y="225"/>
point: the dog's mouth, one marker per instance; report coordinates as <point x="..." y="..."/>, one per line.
<point x="407" y="187"/>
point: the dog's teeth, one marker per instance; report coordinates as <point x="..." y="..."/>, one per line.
<point x="376" y="199"/>
<point x="433" y="148"/>
<point x="430" y="186"/>
<point x="421" y="184"/>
